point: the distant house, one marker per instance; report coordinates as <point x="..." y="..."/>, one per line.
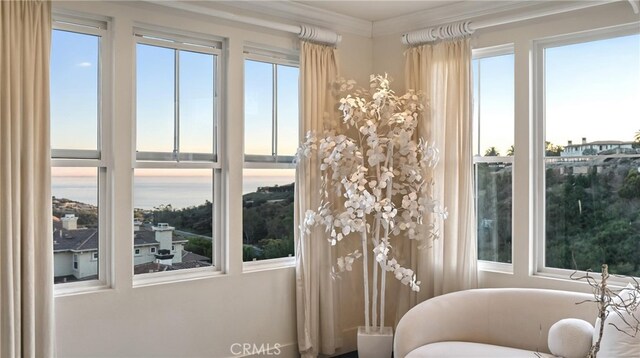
<point x="155" y="248"/>
<point x="605" y="147"/>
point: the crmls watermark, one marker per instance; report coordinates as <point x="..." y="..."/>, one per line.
<point x="245" y="349"/>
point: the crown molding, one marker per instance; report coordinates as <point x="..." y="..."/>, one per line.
<point x="444" y="14"/>
<point x="307" y="14"/>
<point x="464" y="11"/>
<point x="293" y="12"/>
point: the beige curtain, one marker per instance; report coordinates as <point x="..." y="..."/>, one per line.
<point x="316" y="291"/>
<point x="443" y="72"/>
<point x="26" y="247"/>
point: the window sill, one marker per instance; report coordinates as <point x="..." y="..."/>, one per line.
<point x="77" y="288"/>
<point x="616" y="282"/>
<point x="498" y="267"/>
<point x="160" y="278"/>
<point x="272" y="264"/>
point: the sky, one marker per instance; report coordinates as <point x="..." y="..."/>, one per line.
<point x="258" y="106"/>
<point x="587" y="85"/>
<point x="155" y="91"/>
<point x="493" y="100"/>
<point x="592" y="90"/>
<point x="74" y="98"/>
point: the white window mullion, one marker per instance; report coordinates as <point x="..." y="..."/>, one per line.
<point x="176" y="105"/>
<point x="274" y="111"/>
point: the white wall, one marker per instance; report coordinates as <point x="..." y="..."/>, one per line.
<point x="388" y="57"/>
<point x="86" y="266"/>
<point x="201" y="317"/>
<point x="63" y="263"/>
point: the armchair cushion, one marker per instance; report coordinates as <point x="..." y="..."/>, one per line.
<point x="470" y="350"/>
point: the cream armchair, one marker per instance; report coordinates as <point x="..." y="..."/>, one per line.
<point x="495" y="322"/>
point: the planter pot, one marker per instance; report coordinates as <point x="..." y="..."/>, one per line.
<point x="375" y="344"/>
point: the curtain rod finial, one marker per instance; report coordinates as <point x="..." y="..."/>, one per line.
<point x="317" y="34"/>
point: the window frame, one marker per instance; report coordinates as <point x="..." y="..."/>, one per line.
<point x="478" y="54"/>
<point x="275" y="57"/>
<point x="200" y="43"/>
<point x="177" y="43"/>
<point x="537" y="138"/>
<point x="101" y="159"/>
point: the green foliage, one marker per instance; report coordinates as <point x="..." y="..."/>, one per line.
<point x="274" y="248"/>
<point x="587" y="224"/>
<point x="631" y="186"/>
<point x="494" y="211"/>
<point x="249" y="253"/>
<point x="268" y="223"/>
<point x="194" y="219"/>
<point x="87" y="215"/>
<point x="200" y="246"/>
<point x="492" y="152"/>
<point x="552" y="150"/>
<point x="511" y="151"/>
<point x="591" y="218"/>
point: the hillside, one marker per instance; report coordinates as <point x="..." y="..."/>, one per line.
<point x="592" y="214"/>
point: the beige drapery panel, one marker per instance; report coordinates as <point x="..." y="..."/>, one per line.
<point x="316" y="291"/>
<point x="443" y="72"/>
<point x="26" y="247"/>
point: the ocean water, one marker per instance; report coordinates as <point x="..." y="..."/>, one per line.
<point x="153" y="191"/>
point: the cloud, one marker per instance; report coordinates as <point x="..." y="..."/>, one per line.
<point x="84" y="64"/>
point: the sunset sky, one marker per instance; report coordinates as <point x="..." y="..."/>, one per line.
<point x="592" y="91"/>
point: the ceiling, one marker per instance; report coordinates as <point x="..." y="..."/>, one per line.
<point x="372" y="18"/>
<point x="376" y="10"/>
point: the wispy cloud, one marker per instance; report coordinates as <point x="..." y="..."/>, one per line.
<point x="84" y="64"/>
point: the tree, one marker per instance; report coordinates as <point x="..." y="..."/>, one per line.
<point x="511" y="151"/>
<point x="630" y="186"/>
<point x="492" y="152"/>
<point x="200" y="246"/>
<point x="637" y="140"/>
<point x="552" y="150"/>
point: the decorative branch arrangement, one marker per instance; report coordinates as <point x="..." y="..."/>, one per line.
<point x="623" y="303"/>
<point x="374" y="185"/>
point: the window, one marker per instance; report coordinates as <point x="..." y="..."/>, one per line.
<point x="79" y="143"/>
<point x="271" y="138"/>
<point x="137" y="252"/>
<point x="588" y="197"/>
<point x="177" y="169"/>
<point x="493" y="145"/>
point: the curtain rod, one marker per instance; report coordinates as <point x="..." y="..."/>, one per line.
<point x="465" y="28"/>
<point x="304" y="32"/>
